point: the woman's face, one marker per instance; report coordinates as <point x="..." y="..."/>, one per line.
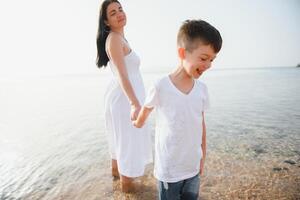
<point x="116" y="17"/>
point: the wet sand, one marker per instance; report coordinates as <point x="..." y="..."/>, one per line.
<point x="225" y="178"/>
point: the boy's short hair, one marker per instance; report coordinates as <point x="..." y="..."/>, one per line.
<point x="194" y="31"/>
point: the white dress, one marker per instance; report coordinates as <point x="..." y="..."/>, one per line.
<point x="130" y="146"/>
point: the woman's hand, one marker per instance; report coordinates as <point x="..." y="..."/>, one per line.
<point x="135" y="109"/>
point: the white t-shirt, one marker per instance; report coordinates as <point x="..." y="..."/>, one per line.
<point x="178" y="133"/>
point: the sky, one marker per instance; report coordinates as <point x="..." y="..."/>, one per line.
<point x="58" y="36"/>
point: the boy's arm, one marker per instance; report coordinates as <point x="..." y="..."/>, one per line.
<point x="203" y="145"/>
<point x="143" y="115"/>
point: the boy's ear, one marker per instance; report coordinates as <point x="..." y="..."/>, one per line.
<point x="181" y="52"/>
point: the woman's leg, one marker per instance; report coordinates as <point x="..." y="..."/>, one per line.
<point x="114" y="168"/>
<point x="127" y="184"/>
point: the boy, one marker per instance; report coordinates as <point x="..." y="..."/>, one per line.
<point x="180" y="101"/>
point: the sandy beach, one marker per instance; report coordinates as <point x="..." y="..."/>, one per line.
<point x="229" y="178"/>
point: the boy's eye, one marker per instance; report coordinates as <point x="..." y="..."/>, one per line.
<point x="203" y="59"/>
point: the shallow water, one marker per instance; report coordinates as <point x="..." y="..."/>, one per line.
<point x="53" y="144"/>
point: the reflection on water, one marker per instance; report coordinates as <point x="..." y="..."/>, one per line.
<point x="53" y="143"/>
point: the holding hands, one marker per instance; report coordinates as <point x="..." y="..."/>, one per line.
<point x="134" y="116"/>
<point x="139" y="119"/>
<point x="135" y="109"/>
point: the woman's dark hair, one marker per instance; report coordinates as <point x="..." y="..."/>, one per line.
<point x="103" y="31"/>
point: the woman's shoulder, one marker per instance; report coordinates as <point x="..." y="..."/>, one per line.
<point x="114" y="40"/>
<point x="114" y="37"/>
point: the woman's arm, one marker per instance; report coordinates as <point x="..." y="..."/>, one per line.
<point x="116" y="54"/>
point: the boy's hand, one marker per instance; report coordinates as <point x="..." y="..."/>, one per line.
<point x="202" y="167"/>
<point x="136" y="124"/>
<point x="141" y="117"/>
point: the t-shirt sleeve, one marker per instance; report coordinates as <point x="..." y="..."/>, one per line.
<point x="152" y="97"/>
<point x="206" y="102"/>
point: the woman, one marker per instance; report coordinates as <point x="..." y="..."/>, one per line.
<point x="130" y="147"/>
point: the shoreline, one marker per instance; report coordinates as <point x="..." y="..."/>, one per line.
<point x="223" y="179"/>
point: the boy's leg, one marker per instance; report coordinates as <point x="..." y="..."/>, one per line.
<point x="190" y="190"/>
<point x="169" y="191"/>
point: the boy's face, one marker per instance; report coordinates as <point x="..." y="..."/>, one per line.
<point x="199" y="60"/>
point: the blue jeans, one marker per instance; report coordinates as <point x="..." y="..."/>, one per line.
<point x="187" y="189"/>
